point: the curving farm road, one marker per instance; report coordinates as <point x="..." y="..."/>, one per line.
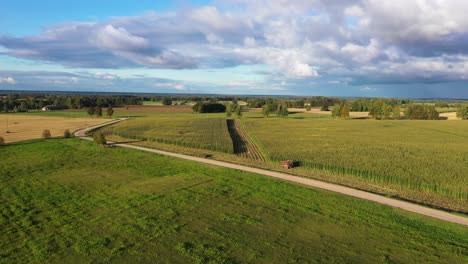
<point x="411" y="207"/>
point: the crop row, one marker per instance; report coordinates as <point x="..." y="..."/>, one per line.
<point x="429" y="156"/>
<point x="208" y="133"/>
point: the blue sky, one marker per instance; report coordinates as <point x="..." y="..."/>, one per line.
<point x="370" y="48"/>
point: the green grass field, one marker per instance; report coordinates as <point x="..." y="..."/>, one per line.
<point x="205" y="133"/>
<point x="68" y="200"/>
<point x="430" y="156"/>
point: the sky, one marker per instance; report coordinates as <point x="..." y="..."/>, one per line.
<point x="368" y="48"/>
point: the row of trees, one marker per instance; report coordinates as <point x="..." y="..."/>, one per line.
<point x="280" y="108"/>
<point x="424" y="112"/>
<point x="235" y="108"/>
<point x="25" y="102"/>
<point x="209" y="107"/>
<point x="384" y="109"/>
<point x="341" y="110"/>
<point x="97" y="111"/>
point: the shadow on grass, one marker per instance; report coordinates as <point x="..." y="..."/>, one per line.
<point x="125" y="142"/>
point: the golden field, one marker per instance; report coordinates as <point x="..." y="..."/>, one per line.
<point x="24" y="127"/>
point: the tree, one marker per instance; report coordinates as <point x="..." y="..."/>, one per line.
<point x="91" y="111"/>
<point x="282" y="110"/>
<point x="167" y="101"/>
<point x="387" y="111"/>
<point x="100" y="139"/>
<point x="98" y="111"/>
<point x="46" y="134"/>
<point x="423" y="112"/>
<point x="110" y="111"/>
<point x="341" y="110"/>
<point x="324" y="106"/>
<point x="66" y="133"/>
<point x="336" y="111"/>
<point x="462" y="111"/>
<point x="229" y="110"/>
<point x="266" y="110"/>
<point x="200" y="107"/>
<point x="345" y="111"/>
<point x="308" y="108"/>
<point x="396" y="113"/>
<point x="239" y="111"/>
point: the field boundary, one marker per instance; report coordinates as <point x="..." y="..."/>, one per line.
<point x="411" y="207"/>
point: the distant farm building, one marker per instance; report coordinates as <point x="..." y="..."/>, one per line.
<point x="54" y="107"/>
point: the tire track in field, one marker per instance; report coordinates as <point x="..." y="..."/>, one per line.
<point x="243" y="145"/>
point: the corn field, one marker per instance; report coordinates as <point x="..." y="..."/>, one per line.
<point x="430" y="156"/>
<point x="203" y="133"/>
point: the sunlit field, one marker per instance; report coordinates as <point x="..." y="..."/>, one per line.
<point x="19" y="127"/>
<point x="68" y="200"/>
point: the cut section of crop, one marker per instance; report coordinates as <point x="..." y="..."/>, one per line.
<point x="243" y="145"/>
<point x="205" y="133"/>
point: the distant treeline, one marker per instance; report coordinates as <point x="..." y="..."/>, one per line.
<point x="24" y="102"/>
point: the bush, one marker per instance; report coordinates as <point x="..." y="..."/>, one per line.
<point x="100" y="139"/>
<point x="167" y="101"/>
<point x="110" y="111"/>
<point x="462" y="111"/>
<point x="341" y="110"/>
<point x="67" y="134"/>
<point x="423" y="112"/>
<point x="2" y="141"/>
<point x="209" y="108"/>
<point x="324" y="106"/>
<point x="46" y="134"/>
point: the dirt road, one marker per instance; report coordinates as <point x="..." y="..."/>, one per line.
<point x="415" y="208"/>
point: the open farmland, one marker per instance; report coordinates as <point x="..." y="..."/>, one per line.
<point x="420" y="160"/>
<point x="205" y="133"/>
<point x="23" y="127"/>
<point x="77" y="202"/>
<point x="123" y="111"/>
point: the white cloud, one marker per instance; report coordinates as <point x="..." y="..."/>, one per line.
<point x="250" y="42"/>
<point x="401" y="39"/>
<point x="7" y="80"/>
<point x="362" y="54"/>
<point x="176" y="86"/>
<point x="109" y="37"/>
<point x="105" y="76"/>
<point x="368" y="89"/>
<point x="289" y="61"/>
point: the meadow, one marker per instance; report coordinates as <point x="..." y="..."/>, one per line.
<point x="69" y="200"/>
<point x="196" y="132"/>
<point x="426" y="156"/>
<point x="23" y="127"/>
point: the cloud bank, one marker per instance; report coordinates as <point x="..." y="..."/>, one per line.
<point x="356" y="42"/>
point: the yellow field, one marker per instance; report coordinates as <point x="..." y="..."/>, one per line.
<point x="24" y="127"/>
<point x="316" y="110"/>
<point x="450" y="116"/>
